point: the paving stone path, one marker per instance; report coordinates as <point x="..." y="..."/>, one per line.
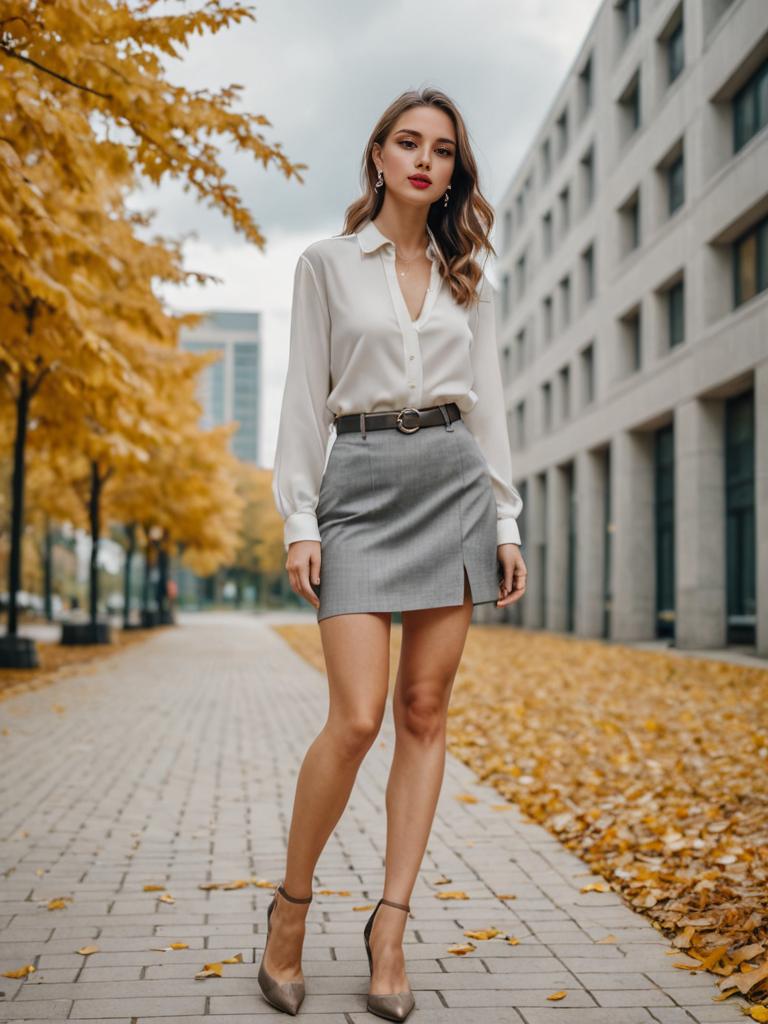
<point x="174" y="763"/>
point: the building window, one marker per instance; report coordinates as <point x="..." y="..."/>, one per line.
<point x="506" y="364"/>
<point x="676" y="184"/>
<point x="565" y="300"/>
<point x="520" y="276"/>
<point x="586" y="87"/>
<point x="629" y="16"/>
<point x="548" y="324"/>
<point x="505" y="303"/>
<point x="565" y="211"/>
<point x="562" y="133"/>
<point x="588" y="271"/>
<point x="588" y="176"/>
<point x="750" y="107"/>
<point x="520" y="350"/>
<point x="565" y="392"/>
<point x="631" y="326"/>
<point x="507" y="236"/>
<point x="675" y="51"/>
<point x="629" y="103"/>
<point x="675" y="299"/>
<point x="546" y="405"/>
<point x="546" y="233"/>
<point x="588" y="373"/>
<point x="519" y="208"/>
<point x="520" y="424"/>
<point x="750" y="263"/>
<point x="630" y="223"/>
<point x="546" y="160"/>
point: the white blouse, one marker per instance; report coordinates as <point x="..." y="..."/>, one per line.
<point x="354" y="348"/>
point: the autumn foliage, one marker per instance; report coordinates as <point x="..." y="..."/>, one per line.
<point x="99" y="391"/>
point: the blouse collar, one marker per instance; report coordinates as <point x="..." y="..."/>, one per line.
<point x="370" y="239"/>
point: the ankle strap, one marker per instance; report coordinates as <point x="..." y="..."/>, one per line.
<point x="293" y="899"/>
<point x="400" y="906"/>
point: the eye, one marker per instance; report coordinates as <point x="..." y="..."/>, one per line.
<point x="410" y="142"/>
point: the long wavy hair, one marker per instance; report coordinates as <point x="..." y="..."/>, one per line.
<point x="462" y="229"/>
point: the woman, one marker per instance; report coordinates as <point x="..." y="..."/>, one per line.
<point x="393" y="477"/>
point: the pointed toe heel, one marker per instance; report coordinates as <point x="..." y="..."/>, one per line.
<point x="283" y="995"/>
<point x="391" y="1005"/>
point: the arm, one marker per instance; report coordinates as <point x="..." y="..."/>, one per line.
<point x="487" y="419"/>
<point x="304" y="417"/>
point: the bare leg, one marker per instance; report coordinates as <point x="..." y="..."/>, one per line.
<point x="433" y="642"/>
<point x="356" y="649"/>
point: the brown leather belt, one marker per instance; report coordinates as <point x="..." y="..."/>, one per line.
<point x="407" y="420"/>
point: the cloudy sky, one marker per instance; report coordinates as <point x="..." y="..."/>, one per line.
<point x="322" y="71"/>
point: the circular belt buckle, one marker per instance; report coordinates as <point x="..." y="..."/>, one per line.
<point x="408" y="430"/>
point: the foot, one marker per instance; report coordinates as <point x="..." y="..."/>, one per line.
<point x="386" y="942"/>
<point x="282" y="958"/>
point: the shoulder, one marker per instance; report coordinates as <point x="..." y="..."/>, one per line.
<point x="329" y="250"/>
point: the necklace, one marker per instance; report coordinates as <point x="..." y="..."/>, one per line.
<point x="405" y="259"/>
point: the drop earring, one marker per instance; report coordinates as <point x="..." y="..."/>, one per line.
<point x="446" y="197"/>
<point x="379" y="180"/>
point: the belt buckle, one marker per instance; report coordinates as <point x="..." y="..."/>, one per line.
<point x="408" y="430"/>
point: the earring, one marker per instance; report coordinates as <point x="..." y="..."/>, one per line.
<point x="379" y="180"/>
<point x="446" y="197"/>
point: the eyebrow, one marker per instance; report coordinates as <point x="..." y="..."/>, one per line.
<point x="411" y="131"/>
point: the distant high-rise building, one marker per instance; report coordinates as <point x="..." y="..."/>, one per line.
<point x="230" y="389"/>
<point x="632" y="327"/>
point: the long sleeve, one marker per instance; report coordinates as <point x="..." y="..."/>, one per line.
<point x="487" y="419"/>
<point x="305" y="419"/>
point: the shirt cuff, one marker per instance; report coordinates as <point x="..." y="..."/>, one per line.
<point x="507" y="531"/>
<point x="300" y="526"/>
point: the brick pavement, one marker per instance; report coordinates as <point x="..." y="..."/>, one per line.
<point x="175" y="763"/>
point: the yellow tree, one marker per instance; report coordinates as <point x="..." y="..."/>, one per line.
<point x="76" y="79"/>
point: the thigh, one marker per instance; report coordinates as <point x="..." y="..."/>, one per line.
<point x="356" y="651"/>
<point x="432" y="645"/>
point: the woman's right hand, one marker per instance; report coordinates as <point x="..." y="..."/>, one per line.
<point x="303" y="565"/>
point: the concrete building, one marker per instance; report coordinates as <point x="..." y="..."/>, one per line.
<point x="633" y="331"/>
<point x="231" y="388"/>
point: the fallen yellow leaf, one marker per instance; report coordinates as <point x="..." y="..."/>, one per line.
<point x="22" y="972"/>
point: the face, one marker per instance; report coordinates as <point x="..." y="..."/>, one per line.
<point x="422" y="142"/>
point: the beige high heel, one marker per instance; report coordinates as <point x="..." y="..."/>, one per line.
<point x="287" y="995"/>
<point x="394" y="1005"/>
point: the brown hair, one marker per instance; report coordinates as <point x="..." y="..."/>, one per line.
<point x="463" y="227"/>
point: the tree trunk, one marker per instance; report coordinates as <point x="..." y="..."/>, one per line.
<point x="95" y="521"/>
<point x="48" y="570"/>
<point x="17" y="503"/>
<point x="129" y="553"/>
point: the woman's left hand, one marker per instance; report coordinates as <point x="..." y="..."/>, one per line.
<point x="512" y="585"/>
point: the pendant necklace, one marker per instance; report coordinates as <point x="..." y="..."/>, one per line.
<point x="403" y="259"/>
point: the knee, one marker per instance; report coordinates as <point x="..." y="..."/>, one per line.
<point x="354" y="736"/>
<point x="422" y="717"/>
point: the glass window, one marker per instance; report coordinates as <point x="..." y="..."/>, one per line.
<point x="676" y="184"/>
<point x="588" y="258"/>
<point x="585" y="79"/>
<point x="588" y="363"/>
<point x="505" y="304"/>
<point x="548" y="326"/>
<point x="546" y="233"/>
<point x="750" y="107"/>
<point x="676" y="313"/>
<point x="507" y="239"/>
<point x="588" y="170"/>
<point x="750" y="263"/>
<point x="675" y="52"/>
<point x="546" y="159"/>
<point x="629" y="12"/>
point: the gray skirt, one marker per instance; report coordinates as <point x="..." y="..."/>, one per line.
<point x="401" y="516"/>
